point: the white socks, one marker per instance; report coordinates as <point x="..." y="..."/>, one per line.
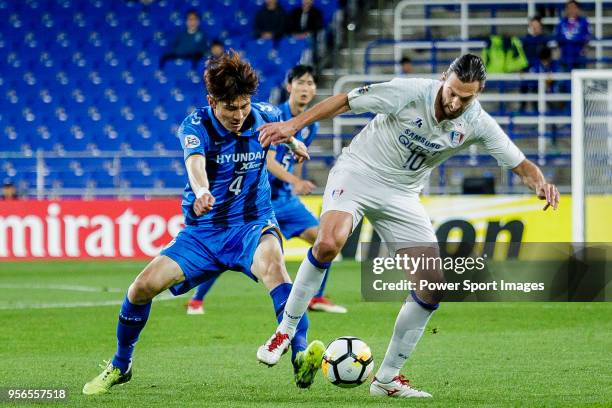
<point x="307" y="283"/>
<point x="409" y="325"/>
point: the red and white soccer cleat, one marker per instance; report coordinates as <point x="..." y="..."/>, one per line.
<point x="323" y="304"/>
<point x="271" y="352"/>
<point x="399" y="387"/>
<point x="195" y="307"/>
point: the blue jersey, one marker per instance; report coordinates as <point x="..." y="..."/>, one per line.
<point x="281" y="189"/>
<point x="235" y="166"/>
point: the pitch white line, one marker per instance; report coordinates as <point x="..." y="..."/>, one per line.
<point x="72" y="305"/>
<point x="74" y="288"/>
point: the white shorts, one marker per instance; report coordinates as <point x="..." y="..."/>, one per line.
<point x="397" y="216"/>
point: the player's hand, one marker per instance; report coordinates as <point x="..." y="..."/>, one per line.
<point x="549" y="193"/>
<point x="203" y="204"/>
<point x="302" y="187"/>
<point x="276" y="133"/>
<point x="299" y="150"/>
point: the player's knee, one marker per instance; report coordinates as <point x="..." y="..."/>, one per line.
<point x="273" y="273"/>
<point x="325" y="249"/>
<point x="141" y="290"/>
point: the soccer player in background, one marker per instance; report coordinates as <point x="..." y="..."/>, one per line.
<point x="293" y="217"/>
<point x="229" y="221"/>
<point x="419" y="123"/>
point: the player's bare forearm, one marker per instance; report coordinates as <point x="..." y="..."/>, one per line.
<point x="299" y="186"/>
<point x="198" y="180"/>
<point x="297" y="170"/>
<point x="532" y="177"/>
<point x="326" y="109"/>
<point x="279" y="171"/>
<point x="282" y="132"/>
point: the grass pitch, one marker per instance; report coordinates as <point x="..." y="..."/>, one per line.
<point x="58" y="322"/>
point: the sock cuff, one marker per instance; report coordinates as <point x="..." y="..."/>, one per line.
<point x="283" y="287"/>
<point x="279" y="297"/>
<point x="422" y="303"/>
<point x="317" y="264"/>
<point x="134" y="315"/>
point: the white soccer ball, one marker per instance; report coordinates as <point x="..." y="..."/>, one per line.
<point x="347" y="362"/>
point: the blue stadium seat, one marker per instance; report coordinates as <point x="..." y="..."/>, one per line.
<point x="142" y="139"/>
<point x="172" y="179"/>
<point x="43" y="138"/>
<point x="103" y="179"/>
<point x="11" y="140"/>
<point x="76" y="139"/>
<point x="73" y="179"/>
<point x="138" y="178"/>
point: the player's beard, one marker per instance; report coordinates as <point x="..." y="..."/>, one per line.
<point x="452" y="114"/>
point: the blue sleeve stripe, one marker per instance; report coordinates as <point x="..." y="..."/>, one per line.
<point x="313" y="260"/>
<point x="422" y="303"/>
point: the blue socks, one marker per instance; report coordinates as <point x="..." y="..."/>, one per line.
<point x="279" y="296"/>
<point x="132" y="319"/>
<point x="203" y="289"/>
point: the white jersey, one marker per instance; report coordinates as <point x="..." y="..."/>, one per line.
<point x="404" y="142"/>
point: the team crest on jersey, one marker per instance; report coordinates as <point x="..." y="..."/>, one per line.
<point x="191" y="141"/>
<point x="418" y="122"/>
<point x="305" y="133"/>
<point x="456" y="138"/>
<point x="363" y="90"/>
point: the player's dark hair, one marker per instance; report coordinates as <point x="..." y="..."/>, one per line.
<point x="192" y="11"/>
<point x="545" y="54"/>
<point x="537" y="18"/>
<point x="300" y="70"/>
<point x="229" y="77"/>
<point x="469" y="68"/>
<point x="574" y="2"/>
<point x="406" y="60"/>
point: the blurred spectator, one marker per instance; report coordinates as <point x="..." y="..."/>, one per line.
<point x="304" y="21"/>
<point x="504" y="54"/>
<point x="405" y="65"/>
<point x="535" y="41"/>
<point x="270" y="21"/>
<point x="216" y="49"/>
<point x="189" y="44"/>
<point x="307" y="22"/>
<point x="573" y="35"/>
<point x="9" y="192"/>
<point x="544" y="64"/>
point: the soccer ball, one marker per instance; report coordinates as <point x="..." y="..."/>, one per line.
<point x="347" y="362"/>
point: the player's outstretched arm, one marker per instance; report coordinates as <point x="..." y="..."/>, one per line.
<point x="532" y="176"/>
<point x="282" y="132"/>
<point x="299" y="186"/>
<point x="196" y="170"/>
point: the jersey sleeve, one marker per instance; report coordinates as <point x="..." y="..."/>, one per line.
<point x="269" y="113"/>
<point x="498" y="143"/>
<point x="193" y="137"/>
<point x="313" y="131"/>
<point x="386" y="97"/>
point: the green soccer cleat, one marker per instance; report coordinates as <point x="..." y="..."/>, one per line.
<point x="106" y="379"/>
<point x="307" y="363"/>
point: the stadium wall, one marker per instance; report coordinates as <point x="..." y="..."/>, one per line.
<point x="139" y="229"/>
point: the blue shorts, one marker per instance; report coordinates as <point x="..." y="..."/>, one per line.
<point x="204" y="253"/>
<point x="293" y="217"/>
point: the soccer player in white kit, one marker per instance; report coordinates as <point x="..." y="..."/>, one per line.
<point x="419" y="124"/>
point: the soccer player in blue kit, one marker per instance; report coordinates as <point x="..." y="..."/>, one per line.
<point x="229" y="220"/>
<point x="293" y="217"/>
